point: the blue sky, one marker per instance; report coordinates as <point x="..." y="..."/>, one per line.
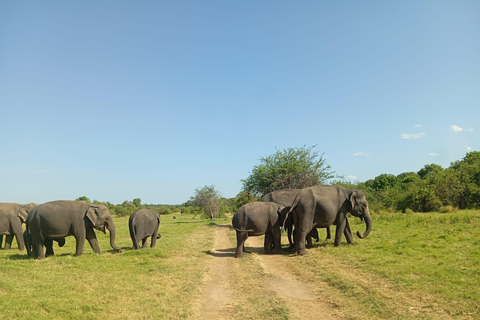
<point x="117" y="100"/>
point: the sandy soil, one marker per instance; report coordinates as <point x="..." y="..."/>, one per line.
<point x="217" y="293"/>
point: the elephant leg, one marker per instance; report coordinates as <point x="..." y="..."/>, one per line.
<point x="49" y="247"/>
<point x="268" y="241"/>
<point x="329" y="235"/>
<point x="80" y="242"/>
<point x="153" y="240"/>
<point x="289" y="234"/>
<point x="304" y="227"/>
<point x="1" y="240"/>
<point x="8" y="241"/>
<point x="28" y="243"/>
<point x="309" y="240"/>
<point x="144" y="242"/>
<point x="40" y="254"/>
<point x="277" y="240"/>
<point x="92" y="239"/>
<point x="339" y="231"/>
<point x="348" y="233"/>
<point x="241" y="237"/>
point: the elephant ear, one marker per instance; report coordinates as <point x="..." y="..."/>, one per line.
<point x="352" y="199"/>
<point x="23" y="214"/>
<point x="92" y="214"/>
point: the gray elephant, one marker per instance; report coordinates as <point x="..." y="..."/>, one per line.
<point x="255" y="219"/>
<point x="58" y="219"/>
<point x="322" y="205"/>
<point x="286" y="197"/>
<point x="142" y="224"/>
<point x="12" y="215"/>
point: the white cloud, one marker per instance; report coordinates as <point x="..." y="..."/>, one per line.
<point x="413" y="135"/>
<point x="433" y="154"/>
<point x="455" y="128"/>
<point x="352" y="177"/>
<point x="418" y="126"/>
<point x="470" y="130"/>
<point x="365" y="154"/>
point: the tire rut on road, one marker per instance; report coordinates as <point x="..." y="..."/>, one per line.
<point x="303" y="299"/>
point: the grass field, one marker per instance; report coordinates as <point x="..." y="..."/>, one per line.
<point x="422" y="266"/>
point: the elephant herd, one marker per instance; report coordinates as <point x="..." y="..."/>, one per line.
<point x="307" y="209"/>
<point x="53" y="221"/>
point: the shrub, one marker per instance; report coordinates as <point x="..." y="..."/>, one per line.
<point x="447" y="209"/>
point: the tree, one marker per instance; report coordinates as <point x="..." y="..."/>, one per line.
<point x="208" y="199"/>
<point x="292" y="168"/>
<point x="137" y="202"/>
<point x="83" y="198"/>
<point x="243" y="198"/>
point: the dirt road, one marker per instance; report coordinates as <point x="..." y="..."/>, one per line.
<point x="221" y="293"/>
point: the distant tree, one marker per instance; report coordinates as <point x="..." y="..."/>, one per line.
<point x="137" y="202"/>
<point x="83" y="198"/>
<point x="208" y="199"/>
<point x="292" y="168"/>
<point x="429" y="170"/>
<point x="243" y="198"/>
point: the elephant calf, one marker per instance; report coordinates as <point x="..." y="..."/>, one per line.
<point x="255" y="219"/>
<point x="142" y="224"/>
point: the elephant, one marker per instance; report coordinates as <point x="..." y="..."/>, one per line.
<point x="48" y="244"/>
<point x="255" y="219"/>
<point x="324" y="205"/>
<point x="142" y="224"/>
<point x="12" y="215"/>
<point x="286" y="197"/>
<point x="58" y="219"/>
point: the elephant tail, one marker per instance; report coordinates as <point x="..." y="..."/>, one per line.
<point x="292" y="207"/>
<point x="132" y="234"/>
<point x="240" y="230"/>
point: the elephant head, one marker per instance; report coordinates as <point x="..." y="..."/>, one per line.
<point x="100" y="217"/>
<point x="24" y="210"/>
<point x="359" y="208"/>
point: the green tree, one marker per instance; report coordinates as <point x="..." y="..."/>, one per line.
<point x="243" y="198"/>
<point x="208" y="199"/>
<point x="137" y="202"/>
<point x="429" y="170"/>
<point x="83" y="198"/>
<point x="292" y="168"/>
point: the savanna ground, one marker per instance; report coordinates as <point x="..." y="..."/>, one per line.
<point x="412" y="266"/>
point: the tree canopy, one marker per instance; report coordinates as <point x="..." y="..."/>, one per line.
<point x="430" y="189"/>
<point x="291" y="168"/>
<point x="208" y="199"/>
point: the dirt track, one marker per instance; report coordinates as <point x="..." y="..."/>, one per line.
<point x="219" y="293"/>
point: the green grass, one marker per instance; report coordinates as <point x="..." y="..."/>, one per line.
<point x="432" y="257"/>
<point x="146" y="284"/>
<point x="422" y="266"/>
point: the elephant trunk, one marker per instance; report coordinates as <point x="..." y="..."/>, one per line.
<point x="368" y="223"/>
<point x="112" y="230"/>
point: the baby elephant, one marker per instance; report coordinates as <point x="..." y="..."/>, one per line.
<point x="255" y="219"/>
<point x="144" y="223"/>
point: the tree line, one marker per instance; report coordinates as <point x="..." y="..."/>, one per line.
<point x="432" y="188"/>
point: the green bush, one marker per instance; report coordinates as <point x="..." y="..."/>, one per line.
<point x="447" y="209"/>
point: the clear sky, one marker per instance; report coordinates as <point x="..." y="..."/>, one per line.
<point x="116" y="100"/>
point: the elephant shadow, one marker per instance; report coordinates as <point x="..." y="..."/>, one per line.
<point x="221" y="253"/>
<point x="18" y="257"/>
